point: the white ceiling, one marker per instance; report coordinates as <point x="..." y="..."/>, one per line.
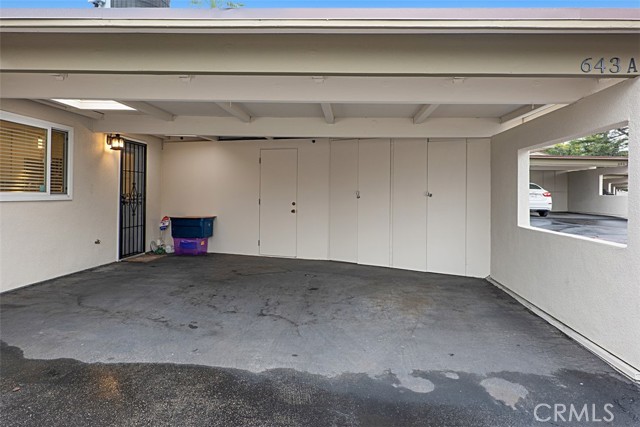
<point x="263" y="109"/>
<point x="305" y="106"/>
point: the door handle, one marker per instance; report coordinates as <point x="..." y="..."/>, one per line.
<point x="427" y="194"/>
<point x="293" y="211"/>
<point x="357" y="194"/>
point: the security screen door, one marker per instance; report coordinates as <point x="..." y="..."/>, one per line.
<point x="133" y="195"/>
<point x="278" y="202"/>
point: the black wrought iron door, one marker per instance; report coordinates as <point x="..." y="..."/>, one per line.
<point x="133" y="195"/>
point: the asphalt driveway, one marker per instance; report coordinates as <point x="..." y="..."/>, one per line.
<point x="595" y="226"/>
<point x="226" y="340"/>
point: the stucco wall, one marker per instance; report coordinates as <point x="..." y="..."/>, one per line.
<point x="223" y="179"/>
<point x="590" y="286"/>
<point x="44" y="239"/>
<point x="585" y="195"/>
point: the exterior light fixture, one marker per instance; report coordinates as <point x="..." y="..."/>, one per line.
<point x="116" y="142"/>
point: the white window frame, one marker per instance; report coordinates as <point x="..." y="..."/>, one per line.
<point x="49" y="126"/>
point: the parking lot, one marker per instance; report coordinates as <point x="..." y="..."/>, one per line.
<point x="595" y="226"/>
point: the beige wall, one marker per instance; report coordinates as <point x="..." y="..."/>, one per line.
<point x="223" y="179"/>
<point x="592" y="287"/>
<point x="585" y="195"/>
<point x="40" y="240"/>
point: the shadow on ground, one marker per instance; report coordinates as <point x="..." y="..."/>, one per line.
<point x="66" y="392"/>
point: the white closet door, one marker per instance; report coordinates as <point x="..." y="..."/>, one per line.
<point x="446" y="212"/>
<point x="409" y="230"/>
<point x="374" y="203"/>
<point x="343" y="212"/>
<point x="278" y="194"/>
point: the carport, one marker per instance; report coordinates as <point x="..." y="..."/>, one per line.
<point x="397" y="140"/>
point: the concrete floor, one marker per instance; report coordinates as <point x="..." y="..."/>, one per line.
<point x="231" y="340"/>
<point x="600" y="227"/>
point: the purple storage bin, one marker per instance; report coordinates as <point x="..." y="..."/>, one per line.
<point x="184" y="246"/>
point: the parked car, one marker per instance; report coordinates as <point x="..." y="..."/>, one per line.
<point x="539" y="199"/>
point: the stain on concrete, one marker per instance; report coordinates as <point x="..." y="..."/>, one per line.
<point x="415" y="383"/>
<point x="66" y="392"/>
<point x="505" y="391"/>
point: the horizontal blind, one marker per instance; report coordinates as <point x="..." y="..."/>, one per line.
<point x="23" y="155"/>
<point x="58" y="162"/>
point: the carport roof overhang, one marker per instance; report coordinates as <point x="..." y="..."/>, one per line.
<point x="238" y="72"/>
<point x="309" y="20"/>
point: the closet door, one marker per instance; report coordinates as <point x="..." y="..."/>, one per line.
<point x="278" y="195"/>
<point x="446" y="211"/>
<point x="343" y="211"/>
<point x="409" y="213"/>
<point x="374" y="201"/>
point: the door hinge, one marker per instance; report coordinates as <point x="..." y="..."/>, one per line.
<point x="260" y="160"/>
<point x="258" y="201"/>
<point x="258" y="242"/>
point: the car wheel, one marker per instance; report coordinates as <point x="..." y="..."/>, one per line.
<point x="543" y="213"/>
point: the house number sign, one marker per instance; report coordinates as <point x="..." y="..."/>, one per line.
<point x="613" y="65"/>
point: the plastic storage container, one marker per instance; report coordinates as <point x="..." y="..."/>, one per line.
<point x="192" y="227"/>
<point x="184" y="246"/>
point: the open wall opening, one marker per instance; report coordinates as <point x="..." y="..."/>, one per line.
<point x="580" y="186"/>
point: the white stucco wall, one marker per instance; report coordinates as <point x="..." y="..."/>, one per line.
<point x="590" y="286"/>
<point x="223" y="179"/>
<point x="585" y="195"/>
<point x="41" y="240"/>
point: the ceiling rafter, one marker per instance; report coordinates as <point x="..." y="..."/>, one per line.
<point x="152" y="110"/>
<point x="519" y="112"/>
<point x="424" y="112"/>
<point x="236" y="110"/>
<point x="327" y="110"/>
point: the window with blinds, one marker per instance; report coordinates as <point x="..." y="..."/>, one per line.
<point x="34" y="159"/>
<point x="23" y="157"/>
<point x="58" y="162"/>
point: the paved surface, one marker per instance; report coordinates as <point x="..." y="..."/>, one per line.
<point x="230" y="340"/>
<point x="596" y="226"/>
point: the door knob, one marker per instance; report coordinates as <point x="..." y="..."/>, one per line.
<point x="293" y="203"/>
<point x="293" y="211"/>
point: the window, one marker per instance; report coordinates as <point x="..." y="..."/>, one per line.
<point x="580" y="187"/>
<point x="35" y="159"/>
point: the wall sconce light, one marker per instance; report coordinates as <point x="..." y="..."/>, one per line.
<point x="116" y="142"/>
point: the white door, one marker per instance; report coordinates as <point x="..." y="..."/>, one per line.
<point x="374" y="201"/>
<point x="446" y="212"/>
<point x="278" y="191"/>
<point x="409" y="225"/>
<point x="343" y="210"/>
